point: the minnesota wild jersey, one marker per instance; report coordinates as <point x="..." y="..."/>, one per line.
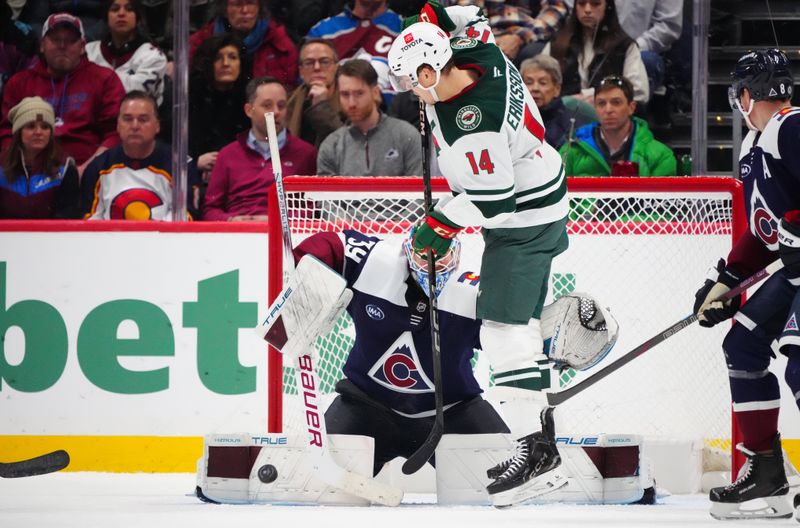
<point x="489" y="140"/>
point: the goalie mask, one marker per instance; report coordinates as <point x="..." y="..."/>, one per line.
<point x="445" y="265"/>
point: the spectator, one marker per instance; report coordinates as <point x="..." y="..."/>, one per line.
<point x="522" y="27"/>
<point x="92" y="14"/>
<point x="542" y="76"/>
<point x="126" y="49"/>
<point x="313" y="110"/>
<point x="84" y="96"/>
<point x="372" y="143"/>
<point x="617" y="137"/>
<point x="132" y="181"/>
<point x="216" y="99"/>
<point x="17" y="45"/>
<point x="302" y="15"/>
<point x="366" y="32"/>
<point x="34" y="183"/>
<point x="592" y="46"/>
<point x="267" y="47"/>
<point x="243" y="172"/>
<point x="655" y="25"/>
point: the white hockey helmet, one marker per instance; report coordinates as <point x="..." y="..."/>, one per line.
<point x="418" y="44"/>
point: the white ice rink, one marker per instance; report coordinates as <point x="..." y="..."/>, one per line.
<point x="100" y="500"/>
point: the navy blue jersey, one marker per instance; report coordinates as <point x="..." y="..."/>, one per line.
<point x="769" y="165"/>
<point x="391" y="358"/>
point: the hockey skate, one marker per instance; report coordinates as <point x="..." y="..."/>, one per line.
<point x="532" y="472"/>
<point x="760" y="491"/>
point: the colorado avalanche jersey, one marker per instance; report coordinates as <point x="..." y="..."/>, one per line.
<point x="769" y="165"/>
<point x="391" y="358"/>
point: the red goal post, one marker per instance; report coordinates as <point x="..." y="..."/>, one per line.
<point x="633" y="240"/>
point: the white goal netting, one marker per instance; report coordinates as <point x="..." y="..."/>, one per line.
<point x="640" y="246"/>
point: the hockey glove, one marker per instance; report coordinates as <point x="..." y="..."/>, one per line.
<point x="434" y="13"/>
<point x="436" y="232"/>
<point x="789" y="245"/>
<point x="710" y="311"/>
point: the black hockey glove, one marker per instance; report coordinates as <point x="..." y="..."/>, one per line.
<point x="710" y="311"/>
<point x="789" y="245"/>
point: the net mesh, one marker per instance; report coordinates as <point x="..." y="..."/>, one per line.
<point x="641" y="254"/>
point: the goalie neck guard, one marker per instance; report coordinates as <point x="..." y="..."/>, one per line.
<point x="445" y="265"/>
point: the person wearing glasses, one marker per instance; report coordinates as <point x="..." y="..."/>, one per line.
<point x="267" y="47"/>
<point x="617" y="138"/>
<point x="313" y="109"/>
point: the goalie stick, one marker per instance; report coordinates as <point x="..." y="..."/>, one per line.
<point x="556" y="398"/>
<point x="306" y="377"/>
<point x="49" y="463"/>
<point x="424" y="452"/>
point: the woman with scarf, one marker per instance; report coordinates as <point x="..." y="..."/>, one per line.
<point x="266" y="45"/>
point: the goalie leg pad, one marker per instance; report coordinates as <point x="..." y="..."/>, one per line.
<point x="602" y="469"/>
<point x="461" y="462"/>
<point x="276" y="469"/>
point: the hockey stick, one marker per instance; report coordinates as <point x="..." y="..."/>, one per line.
<point x="49" y="463"/>
<point x="424" y="452"/>
<point x="556" y="398"/>
<point x="307" y="380"/>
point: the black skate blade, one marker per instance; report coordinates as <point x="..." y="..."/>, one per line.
<point x="49" y="463"/>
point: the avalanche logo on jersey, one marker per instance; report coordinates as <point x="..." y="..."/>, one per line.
<point x="791" y="324"/>
<point x="763" y="222"/>
<point x="399" y="368"/>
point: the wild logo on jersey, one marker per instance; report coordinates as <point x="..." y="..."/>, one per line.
<point x="399" y="368"/>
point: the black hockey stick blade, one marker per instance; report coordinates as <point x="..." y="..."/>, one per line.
<point x="556" y="398"/>
<point x="49" y="463"/>
<point x="421" y="456"/>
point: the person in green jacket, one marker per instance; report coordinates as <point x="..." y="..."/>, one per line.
<point x="617" y="137"/>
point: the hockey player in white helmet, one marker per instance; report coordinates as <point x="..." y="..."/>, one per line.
<point x="489" y="139"/>
<point x="769" y="167"/>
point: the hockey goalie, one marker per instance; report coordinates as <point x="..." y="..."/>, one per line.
<point x="384" y="405"/>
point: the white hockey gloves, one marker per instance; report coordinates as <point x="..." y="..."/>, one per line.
<point x="580" y="331"/>
<point x="307" y="308"/>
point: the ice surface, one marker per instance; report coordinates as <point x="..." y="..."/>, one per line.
<point x="104" y="500"/>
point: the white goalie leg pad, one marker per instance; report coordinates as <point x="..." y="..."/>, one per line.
<point x="309" y="305"/>
<point x="276" y="469"/>
<point x="461" y="463"/>
<point x="581" y="332"/>
<point x="602" y="469"/>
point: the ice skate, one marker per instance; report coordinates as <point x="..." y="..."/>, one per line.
<point x="760" y="492"/>
<point x="532" y="472"/>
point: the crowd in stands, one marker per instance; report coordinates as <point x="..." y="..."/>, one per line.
<point x="86" y="88"/>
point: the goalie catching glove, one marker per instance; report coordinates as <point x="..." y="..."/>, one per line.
<point x="789" y="245"/>
<point x="578" y="332"/>
<point x="436" y="232"/>
<point x="313" y="299"/>
<point x="709" y="310"/>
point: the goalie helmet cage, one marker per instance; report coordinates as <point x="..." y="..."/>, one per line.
<point x="639" y="245"/>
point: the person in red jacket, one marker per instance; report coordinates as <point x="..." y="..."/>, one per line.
<point x="267" y="46"/>
<point x="85" y="97"/>
<point x="243" y="171"/>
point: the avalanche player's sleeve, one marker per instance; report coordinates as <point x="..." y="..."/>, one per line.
<point x="788" y="141"/>
<point x="328" y="247"/>
<point x="481" y="165"/>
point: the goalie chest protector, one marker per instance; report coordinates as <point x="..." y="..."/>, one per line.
<point x="391" y="357"/>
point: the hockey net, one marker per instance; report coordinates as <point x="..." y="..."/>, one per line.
<point x="640" y="245"/>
